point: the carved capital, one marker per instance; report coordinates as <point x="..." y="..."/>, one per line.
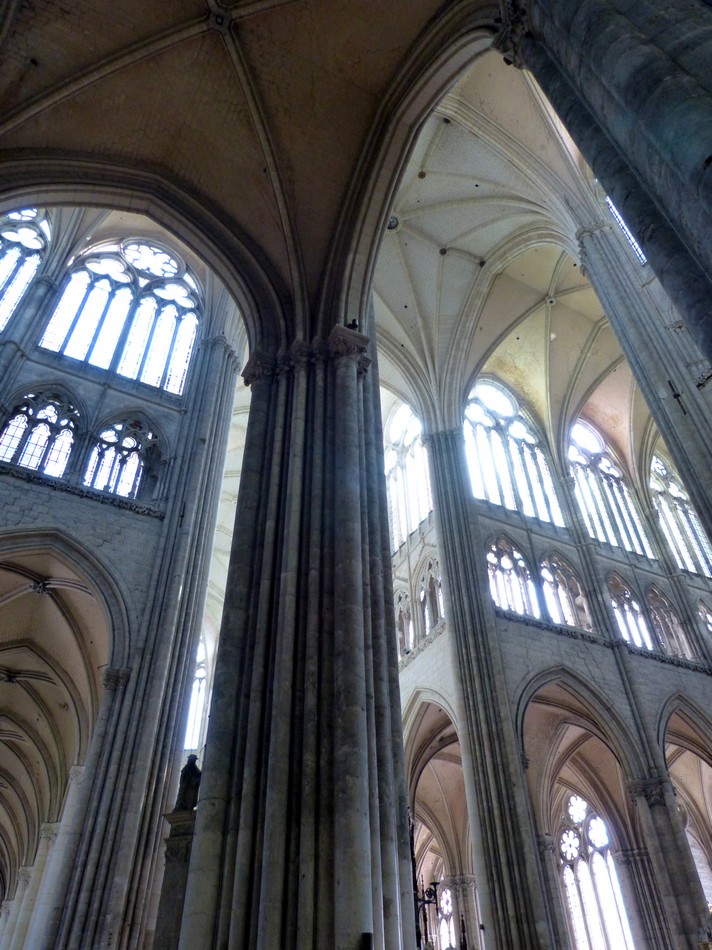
<point x="24" y="875"/>
<point x="349" y="344"/>
<point x="115" y="679"/>
<point x="260" y="366"/>
<point x="651" y="789"/>
<point x="545" y="845"/>
<point x="516" y="24"/>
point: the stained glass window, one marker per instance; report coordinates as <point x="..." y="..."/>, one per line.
<point x="198" y="702"/>
<point x="409" y="496"/>
<point x="603" y="495"/>
<point x="597" y="914"/>
<point x="667" y="625"/>
<point x="507" y="464"/>
<point x="132" y="309"/>
<point x="120" y="457"/>
<point x="510" y="581"/>
<point x="431" y="596"/>
<point x="24" y="236"/>
<point x="563" y="596"/>
<point x="679" y="522"/>
<point x="40" y="433"/>
<point x="631" y="621"/>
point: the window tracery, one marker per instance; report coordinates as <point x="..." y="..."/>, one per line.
<point x="603" y="495"/>
<point x="507" y="464"/>
<point x="679" y="522"/>
<point x="630" y="619"/>
<point x="667" y="625"/>
<point x="407" y="477"/>
<point x="705" y="615"/>
<point x="24" y="236"/>
<point x="510" y="580"/>
<point x="430" y="596"/>
<point x="447" y="924"/>
<point x="40" y="433"/>
<point x="563" y="595"/>
<point x="597" y="913"/>
<point x="404" y="623"/>
<point x="131" y="309"/>
<point x="123" y="455"/>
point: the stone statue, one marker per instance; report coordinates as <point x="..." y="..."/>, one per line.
<point x="189" y="784"/>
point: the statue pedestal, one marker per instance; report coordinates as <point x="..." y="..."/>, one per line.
<point x="175" y="877"/>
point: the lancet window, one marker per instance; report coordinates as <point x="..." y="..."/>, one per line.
<point x="409" y="495"/>
<point x="667" y="625"/>
<point x="507" y="464"/>
<point x="631" y="621"/>
<point x="131" y="309"/>
<point x="198" y="701"/>
<point x="447" y="923"/>
<point x="679" y="522"/>
<point x="40" y="433"/>
<point x="597" y="914"/>
<point x="618" y="218"/>
<point x="430" y="596"/>
<point x="122" y="455"/>
<point x="511" y="583"/>
<point x="563" y="595"/>
<point x="603" y="495"/>
<point x="404" y="622"/>
<point x="24" y="236"/>
<point x="705" y="615"/>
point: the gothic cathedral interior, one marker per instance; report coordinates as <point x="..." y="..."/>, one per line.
<point x="355" y="475"/>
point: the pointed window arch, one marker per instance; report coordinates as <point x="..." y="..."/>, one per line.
<point x="430" y="596"/>
<point x="404" y="623"/>
<point x="667" y="625"/>
<point x="679" y="522"/>
<point x="407" y="476"/>
<point x="124" y="453"/>
<point x="563" y="594"/>
<point x="631" y="621"/>
<point x="132" y="309"/>
<point x="446" y="919"/>
<point x="603" y="494"/>
<point x="198" y="701"/>
<point x="511" y="583"/>
<point x="507" y="463"/>
<point x="24" y="236"/>
<point x="592" y="893"/>
<point x="704" y="611"/>
<point x="40" y="433"/>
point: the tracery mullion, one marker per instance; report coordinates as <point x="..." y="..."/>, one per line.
<point x="169" y="352"/>
<point x="487" y="434"/>
<point x="694" y="533"/>
<point x="551" y="502"/>
<point x="514" y="488"/>
<point x="593" y="482"/>
<point x="100" y="322"/>
<point x="78" y="311"/>
<point x="523" y="451"/>
<point x="152" y="333"/>
<point x="617" y="510"/>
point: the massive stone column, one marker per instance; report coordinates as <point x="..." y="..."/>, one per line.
<point x="514" y="910"/>
<point x="301" y="828"/>
<point x="636" y="101"/>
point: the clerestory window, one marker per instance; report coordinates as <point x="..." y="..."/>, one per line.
<point x="132" y="309"/>
<point x="563" y="595"/>
<point x="24" y="236"/>
<point x="603" y="495"/>
<point x="198" y="701"/>
<point x="679" y="522"/>
<point x="40" y="432"/>
<point x="407" y="478"/>
<point x="122" y="455"/>
<point x="507" y="464"/>
<point x="510" y="580"/>
<point x="597" y="913"/>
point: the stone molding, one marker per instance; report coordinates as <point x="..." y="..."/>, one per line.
<point x="459" y="881"/>
<point x="55" y="484"/>
<point x="259" y="366"/>
<point x="112" y="679"/>
<point x="630" y="857"/>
